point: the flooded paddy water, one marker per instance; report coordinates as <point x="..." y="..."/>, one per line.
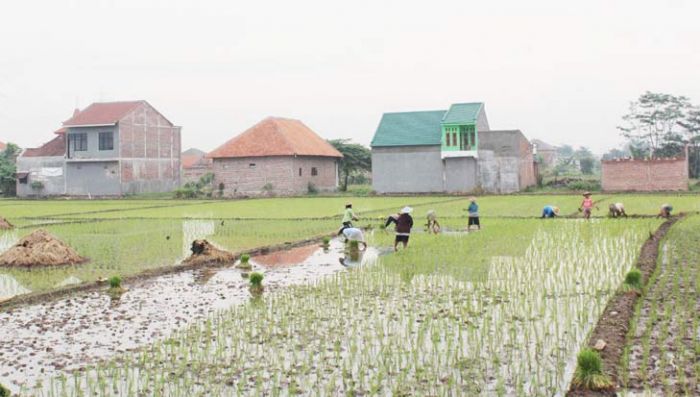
<point x="77" y="331"/>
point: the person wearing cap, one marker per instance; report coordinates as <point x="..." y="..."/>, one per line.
<point x="433" y="224"/>
<point x="349" y="215"/>
<point x="586" y="205"/>
<point x="473" y="211"/>
<point x="550" y="211"/>
<point x="617" y="210"/>
<point x="665" y="211"/>
<point x="404" y="223"/>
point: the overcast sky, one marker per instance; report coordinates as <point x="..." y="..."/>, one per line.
<point x="558" y="72"/>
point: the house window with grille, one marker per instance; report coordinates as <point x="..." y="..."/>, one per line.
<point x="299" y="171"/>
<point x="106" y="141"/>
<point x="314" y="171"/>
<point x="79" y="142"/>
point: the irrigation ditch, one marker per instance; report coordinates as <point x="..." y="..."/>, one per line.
<point x="613" y="325"/>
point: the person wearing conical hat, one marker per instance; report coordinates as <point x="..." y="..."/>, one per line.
<point x="550" y="211"/>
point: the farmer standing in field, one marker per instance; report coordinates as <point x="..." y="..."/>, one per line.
<point x="473" y="214"/>
<point x="349" y="215"/>
<point x="586" y="205"/>
<point x="550" y="211"/>
<point x="665" y="211"/>
<point x="617" y="210"/>
<point x="404" y="223"/>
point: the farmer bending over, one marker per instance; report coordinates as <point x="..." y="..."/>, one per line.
<point x="473" y="214"/>
<point x="353" y="234"/>
<point x="665" y="211"/>
<point x="349" y="215"/>
<point x="404" y="223"/>
<point x="433" y="225"/>
<point x="550" y="211"/>
<point x="617" y="210"/>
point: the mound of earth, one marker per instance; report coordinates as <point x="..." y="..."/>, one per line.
<point x="5" y="224"/>
<point x="40" y="248"/>
<point x="205" y="253"/>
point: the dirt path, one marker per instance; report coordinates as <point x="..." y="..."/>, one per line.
<point x="614" y="323"/>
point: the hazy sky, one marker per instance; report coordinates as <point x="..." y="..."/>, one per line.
<point x="560" y="72"/>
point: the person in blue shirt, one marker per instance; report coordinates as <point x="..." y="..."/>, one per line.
<point x="550" y="211"/>
<point x="473" y="214"/>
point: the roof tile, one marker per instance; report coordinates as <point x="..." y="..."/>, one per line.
<point x="102" y="113"/>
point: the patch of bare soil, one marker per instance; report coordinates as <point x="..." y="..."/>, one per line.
<point x="5" y="224"/>
<point x="205" y="253"/>
<point x="613" y="325"/>
<point x="39" y="249"/>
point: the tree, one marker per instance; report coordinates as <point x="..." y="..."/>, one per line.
<point x="654" y="120"/>
<point x="586" y="160"/>
<point x="8" y="169"/>
<point x="356" y="159"/>
<point x="691" y="125"/>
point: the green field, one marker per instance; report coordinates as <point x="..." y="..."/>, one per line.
<point x="499" y="312"/>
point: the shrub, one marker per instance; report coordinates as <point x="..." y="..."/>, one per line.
<point x="589" y="371"/>
<point x="633" y="280"/>
<point x="590" y="185"/>
<point x="311" y="189"/>
<point x="37" y="185"/>
<point x="268" y="189"/>
<point x="115" y="282"/>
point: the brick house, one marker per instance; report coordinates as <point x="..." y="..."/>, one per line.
<point x="195" y="165"/>
<point x="107" y="149"/>
<point x="276" y="155"/>
<point x="450" y="150"/>
<point x="547" y="152"/>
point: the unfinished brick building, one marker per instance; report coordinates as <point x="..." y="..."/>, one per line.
<point x="107" y="149"/>
<point x="275" y="156"/>
<point x="624" y="175"/>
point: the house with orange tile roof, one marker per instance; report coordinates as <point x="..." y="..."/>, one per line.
<point x="195" y="165"/>
<point x="275" y="156"/>
<point x="106" y="149"/>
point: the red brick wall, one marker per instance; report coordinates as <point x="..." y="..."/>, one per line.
<point x="282" y="172"/>
<point x="527" y="164"/>
<point x="194" y="173"/>
<point x="149" y="150"/>
<point x="645" y="175"/>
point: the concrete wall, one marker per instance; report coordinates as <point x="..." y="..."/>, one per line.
<point x="43" y="169"/>
<point x="248" y="175"/>
<point x="645" y="175"/>
<point x="460" y="174"/>
<point x="99" y="178"/>
<point x="407" y="169"/>
<point x="482" y="123"/>
<point x="511" y="153"/>
<point x="498" y="174"/>
<point x="93" y="151"/>
<point x="149" y="148"/>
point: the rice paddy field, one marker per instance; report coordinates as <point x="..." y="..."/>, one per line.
<point x="499" y="312"/>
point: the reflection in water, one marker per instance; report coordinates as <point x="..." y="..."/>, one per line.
<point x="288" y="257"/>
<point x="72" y="280"/>
<point x="10" y="287"/>
<point x="194" y="230"/>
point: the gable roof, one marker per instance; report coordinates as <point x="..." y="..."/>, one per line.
<point x="542" y="145"/>
<point x="409" y="129"/>
<point x="53" y="148"/>
<point x="463" y="113"/>
<point x="194" y="158"/>
<point x="102" y="113"/>
<point x="276" y="136"/>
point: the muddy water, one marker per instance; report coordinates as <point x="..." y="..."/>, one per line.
<point x="56" y="337"/>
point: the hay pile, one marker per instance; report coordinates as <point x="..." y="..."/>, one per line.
<point x="40" y="248"/>
<point x="205" y="253"/>
<point x="5" y="224"/>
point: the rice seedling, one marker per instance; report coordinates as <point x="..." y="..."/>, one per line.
<point x="256" y="286"/>
<point x="589" y="371"/>
<point x="244" y="262"/>
<point x="633" y="281"/>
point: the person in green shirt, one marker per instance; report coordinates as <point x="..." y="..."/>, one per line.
<point x="349" y="216"/>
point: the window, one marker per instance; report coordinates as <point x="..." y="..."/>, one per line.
<point x="106" y="141"/>
<point x="251" y="165"/>
<point x="454" y="139"/>
<point x="314" y="171"/>
<point x="299" y="171"/>
<point x="79" y="141"/>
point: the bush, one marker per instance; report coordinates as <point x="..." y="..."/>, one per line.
<point x="185" y="192"/>
<point x="312" y="189"/>
<point x="269" y="189"/>
<point x="590" y="185"/>
<point x="633" y="280"/>
<point x="589" y="371"/>
<point x="115" y="282"/>
<point x="37" y="185"/>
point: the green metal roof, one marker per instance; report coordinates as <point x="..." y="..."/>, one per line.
<point x="409" y="129"/>
<point x="460" y="113"/>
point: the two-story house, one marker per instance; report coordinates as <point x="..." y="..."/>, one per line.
<point x="107" y="149"/>
<point x="450" y="150"/>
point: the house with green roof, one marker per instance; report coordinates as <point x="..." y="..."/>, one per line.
<point x="451" y="150"/>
